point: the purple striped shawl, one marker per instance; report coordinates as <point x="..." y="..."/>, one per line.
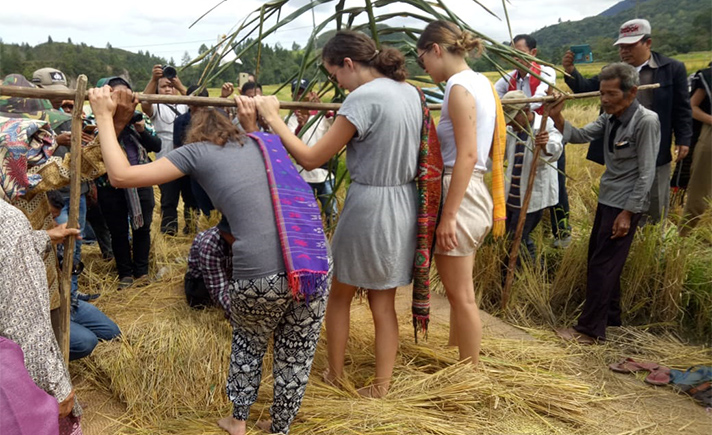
<point x="298" y="219"/>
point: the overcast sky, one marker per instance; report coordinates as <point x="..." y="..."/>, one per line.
<point x="161" y="26"/>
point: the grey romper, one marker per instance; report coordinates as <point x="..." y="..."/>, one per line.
<point x="374" y="242"/>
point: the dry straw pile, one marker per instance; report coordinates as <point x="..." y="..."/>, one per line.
<point x="169" y="368"/>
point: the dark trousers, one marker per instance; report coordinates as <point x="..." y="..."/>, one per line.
<point x="170" y="193"/>
<point x="324" y="193"/>
<point x="115" y="209"/>
<point x="96" y="222"/>
<point x="559" y="214"/>
<point x="606" y="258"/>
<point x="202" y="200"/>
<point x="530" y="223"/>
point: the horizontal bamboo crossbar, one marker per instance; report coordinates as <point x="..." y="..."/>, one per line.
<point x="17" y="91"/>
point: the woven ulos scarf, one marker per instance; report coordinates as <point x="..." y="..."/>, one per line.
<point x="429" y="185"/>
<point x="131" y="193"/>
<point x="298" y="220"/>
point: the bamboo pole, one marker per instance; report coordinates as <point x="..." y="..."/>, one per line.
<point x="16" y="91"/>
<point x="514" y="253"/>
<point x="65" y="290"/>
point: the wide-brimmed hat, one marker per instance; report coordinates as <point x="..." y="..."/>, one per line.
<point x="511" y="110"/>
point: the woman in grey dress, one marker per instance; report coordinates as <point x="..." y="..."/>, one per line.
<point x="374" y="245"/>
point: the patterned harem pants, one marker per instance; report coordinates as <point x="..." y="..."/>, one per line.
<point x="260" y="308"/>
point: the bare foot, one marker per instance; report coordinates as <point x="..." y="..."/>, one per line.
<point x="265" y="425"/>
<point x="373" y="391"/>
<point x="330" y="379"/>
<point x="572" y="335"/>
<point x="233" y="426"/>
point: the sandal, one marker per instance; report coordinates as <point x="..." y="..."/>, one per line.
<point x="629" y="365"/>
<point x="125" y="282"/>
<point x="660" y="376"/>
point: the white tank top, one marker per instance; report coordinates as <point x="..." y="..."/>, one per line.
<point x="481" y="89"/>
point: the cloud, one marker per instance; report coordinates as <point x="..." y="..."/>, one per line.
<point x="162" y="26"/>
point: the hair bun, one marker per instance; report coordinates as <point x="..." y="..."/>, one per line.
<point x="469" y="43"/>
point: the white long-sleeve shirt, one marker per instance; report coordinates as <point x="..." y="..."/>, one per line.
<point x="545" y="191"/>
<point x="547" y="73"/>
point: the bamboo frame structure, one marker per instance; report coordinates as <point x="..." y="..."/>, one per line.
<point x="80" y="95"/>
<point x="65" y="289"/>
<point x="16" y="91"/>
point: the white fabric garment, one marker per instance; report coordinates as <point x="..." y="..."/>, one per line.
<point x="481" y="89"/>
<point x="548" y="73"/>
<point x="163" y="119"/>
<point x="545" y="191"/>
<point x="310" y="137"/>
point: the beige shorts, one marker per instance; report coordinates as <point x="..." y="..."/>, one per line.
<point x="474" y="218"/>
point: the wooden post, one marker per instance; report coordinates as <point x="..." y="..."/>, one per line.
<point x="65" y="288"/>
<point x="514" y="253"/>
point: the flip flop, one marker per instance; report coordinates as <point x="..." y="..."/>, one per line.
<point x="660" y="376"/>
<point x="570" y="334"/>
<point x="693" y="376"/>
<point x="629" y="365"/>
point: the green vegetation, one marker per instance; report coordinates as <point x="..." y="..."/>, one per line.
<point x="74" y="59"/>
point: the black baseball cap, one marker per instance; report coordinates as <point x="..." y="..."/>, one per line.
<point x="303" y="84"/>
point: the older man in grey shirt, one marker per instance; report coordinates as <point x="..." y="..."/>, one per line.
<point x="630" y="134"/>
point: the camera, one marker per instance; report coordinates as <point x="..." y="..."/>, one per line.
<point x="137" y="117"/>
<point x="169" y="72"/>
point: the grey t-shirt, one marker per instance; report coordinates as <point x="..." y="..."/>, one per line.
<point x="388" y="118"/>
<point x="234" y="177"/>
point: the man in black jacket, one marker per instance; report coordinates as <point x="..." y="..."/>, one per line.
<point x="670" y="101"/>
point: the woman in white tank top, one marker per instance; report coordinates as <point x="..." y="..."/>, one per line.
<point x="465" y="132"/>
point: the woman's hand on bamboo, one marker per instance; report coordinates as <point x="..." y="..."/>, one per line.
<point x="268" y="107"/>
<point x="103" y="104"/>
<point x="246" y="113"/>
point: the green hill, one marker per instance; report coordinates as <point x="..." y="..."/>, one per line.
<point x="678" y="26"/>
<point x="75" y="59"/>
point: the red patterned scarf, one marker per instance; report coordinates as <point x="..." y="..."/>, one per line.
<point x="429" y="182"/>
